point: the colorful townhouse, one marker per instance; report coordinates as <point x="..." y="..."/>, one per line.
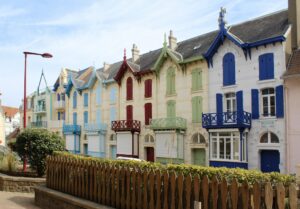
<point x="245" y="120"/>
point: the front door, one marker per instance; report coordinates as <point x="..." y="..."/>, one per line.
<point x="150" y="154"/>
<point x="199" y="156"/>
<point x="85" y="149"/>
<point x="113" y="152"/>
<point x="269" y="160"/>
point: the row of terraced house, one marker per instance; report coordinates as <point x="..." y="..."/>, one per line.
<point x="229" y="98"/>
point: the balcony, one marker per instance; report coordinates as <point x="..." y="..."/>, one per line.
<point x="56" y="124"/>
<point x="71" y="129"/>
<point x="176" y="123"/>
<point x="226" y="120"/>
<point x="59" y="104"/>
<point x="40" y="109"/>
<point x="95" y="127"/>
<point x="126" y="125"/>
<point x="38" y="124"/>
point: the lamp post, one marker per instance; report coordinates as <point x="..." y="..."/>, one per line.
<point x="44" y="55"/>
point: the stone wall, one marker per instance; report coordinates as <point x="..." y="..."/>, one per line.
<point x="50" y="199"/>
<point x="19" y="184"/>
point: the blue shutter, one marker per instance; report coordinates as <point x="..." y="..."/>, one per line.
<point x="219" y="99"/>
<point x="85" y="116"/>
<point x="58" y="116"/>
<point x="98" y="95"/>
<point x="58" y="97"/>
<point x="255" y="103"/>
<point x="86" y="99"/>
<point x="266" y="66"/>
<point x="228" y="69"/>
<point x="113" y="95"/>
<point x="75" y="118"/>
<point x="112" y="113"/>
<point x="98" y="116"/>
<point x="270" y="65"/>
<point x="279" y="102"/>
<point x="240" y="105"/>
<point x="74" y="99"/>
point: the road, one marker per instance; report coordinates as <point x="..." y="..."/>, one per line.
<point x="16" y="200"/>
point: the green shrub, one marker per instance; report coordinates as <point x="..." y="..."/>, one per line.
<point x="9" y="162"/>
<point x="35" y="145"/>
<point x="241" y="175"/>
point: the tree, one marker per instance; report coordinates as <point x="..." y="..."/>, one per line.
<point x="35" y="145"/>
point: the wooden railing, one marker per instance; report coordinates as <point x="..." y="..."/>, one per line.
<point x="132" y="188"/>
<point x="126" y="125"/>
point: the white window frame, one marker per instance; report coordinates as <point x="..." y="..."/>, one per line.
<point x="233" y="137"/>
<point x="269" y="139"/>
<point x="268" y="96"/>
<point x="231" y="98"/>
<point x="199" y="135"/>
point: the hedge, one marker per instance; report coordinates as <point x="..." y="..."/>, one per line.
<point x="241" y="175"/>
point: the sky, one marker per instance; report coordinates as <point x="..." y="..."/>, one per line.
<point x="83" y="33"/>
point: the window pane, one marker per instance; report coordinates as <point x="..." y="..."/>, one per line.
<point x="236" y="145"/>
<point x="228" y="148"/>
<point x="214" y="148"/>
<point x="222" y="151"/>
<point x="274" y="138"/>
<point x="264" y="138"/>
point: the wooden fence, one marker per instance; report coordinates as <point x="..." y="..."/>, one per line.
<point x="129" y="188"/>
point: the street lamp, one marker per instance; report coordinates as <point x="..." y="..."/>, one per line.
<point x="44" y="55"/>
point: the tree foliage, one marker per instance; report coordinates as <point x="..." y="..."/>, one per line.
<point x="35" y="145"/>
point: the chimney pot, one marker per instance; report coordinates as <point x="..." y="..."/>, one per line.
<point x="172" y="41"/>
<point x="135" y="53"/>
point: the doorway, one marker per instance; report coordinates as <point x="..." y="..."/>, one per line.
<point x="199" y="157"/>
<point x="149" y="154"/>
<point x="269" y="160"/>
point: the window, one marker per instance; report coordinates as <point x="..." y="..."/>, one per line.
<point x="58" y="116"/>
<point x="75" y="99"/>
<point x="230" y="102"/>
<point x="197" y="109"/>
<point x="266" y="66"/>
<point x="85" y="99"/>
<point x="148" y="88"/>
<point x="98" y="95"/>
<point x="129" y="110"/>
<point x="148" y="113"/>
<point x="113" y="95"/>
<point x="268" y="102"/>
<point x="58" y="97"/>
<point x="112" y="114"/>
<point x="171" y="81"/>
<point x="86" y="117"/>
<point x="113" y="137"/>
<point x="228" y="69"/>
<point x="149" y="138"/>
<point x="225" y="146"/>
<point x="198" y="138"/>
<point x="171" y="111"/>
<point x="196" y="79"/>
<point x="269" y="137"/>
<point x="129" y="89"/>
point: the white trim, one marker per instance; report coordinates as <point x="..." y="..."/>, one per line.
<point x="224" y="130"/>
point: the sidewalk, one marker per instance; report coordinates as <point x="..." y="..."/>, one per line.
<point x="15" y="200"/>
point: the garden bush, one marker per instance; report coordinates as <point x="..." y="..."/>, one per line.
<point x="241" y="175"/>
<point x="35" y="145"/>
<point x="9" y="162"/>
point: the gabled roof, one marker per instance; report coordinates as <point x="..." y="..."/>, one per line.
<point x="81" y="80"/>
<point x="70" y="73"/>
<point x="260" y="31"/>
<point x="293" y="68"/>
<point x="9" y="111"/>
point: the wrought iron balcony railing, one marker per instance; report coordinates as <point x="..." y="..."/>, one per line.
<point x="40" y="108"/>
<point x="71" y="129"/>
<point x="59" y="104"/>
<point x="226" y="120"/>
<point x="54" y="124"/>
<point x="126" y="125"/>
<point x="95" y="127"/>
<point x="38" y="124"/>
<point x="176" y="123"/>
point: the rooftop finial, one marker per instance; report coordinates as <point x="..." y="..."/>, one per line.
<point x="124" y="54"/>
<point x="165" y="40"/>
<point x="222" y="21"/>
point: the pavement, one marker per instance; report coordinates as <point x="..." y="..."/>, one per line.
<point x="16" y="200"/>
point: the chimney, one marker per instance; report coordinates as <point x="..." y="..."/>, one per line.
<point x="172" y="41"/>
<point x="105" y="66"/>
<point x="294" y="20"/>
<point x="135" y="53"/>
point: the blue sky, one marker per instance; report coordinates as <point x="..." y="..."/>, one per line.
<point x="81" y="33"/>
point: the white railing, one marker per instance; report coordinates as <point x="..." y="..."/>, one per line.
<point x="59" y="104"/>
<point x="55" y="124"/>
